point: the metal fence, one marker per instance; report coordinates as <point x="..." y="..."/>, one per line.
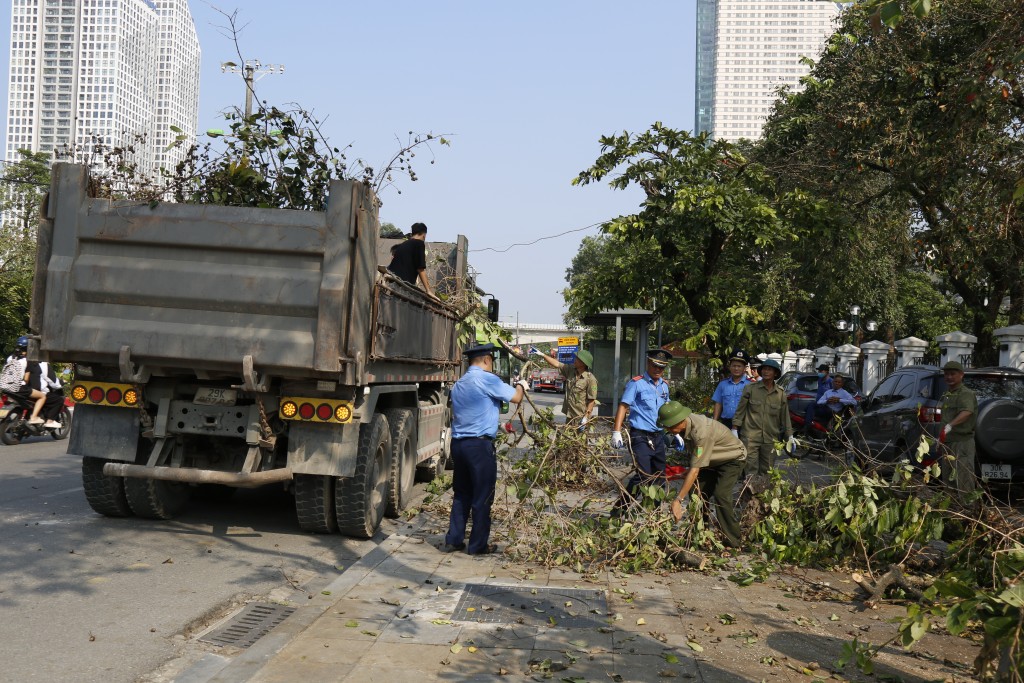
<point x="857" y="372"/>
<point x="927" y="359"/>
<point x="886" y="367"/>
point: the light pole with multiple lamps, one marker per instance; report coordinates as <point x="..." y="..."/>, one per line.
<point x="251" y="71"/>
<point x="854" y="325"/>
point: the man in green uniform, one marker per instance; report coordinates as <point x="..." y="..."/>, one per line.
<point x="580" y="386"/>
<point x="716" y="462"/>
<point x="960" y="413"/>
<point x="762" y="417"/>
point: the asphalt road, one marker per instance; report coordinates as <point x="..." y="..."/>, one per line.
<point x="89" y="598"/>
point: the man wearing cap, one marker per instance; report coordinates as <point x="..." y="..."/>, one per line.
<point x="580" y="389"/>
<point x="763" y="418"/>
<point x="476" y="400"/>
<point x="642" y="397"/>
<point x="824" y="384"/>
<point x="960" y="414"/>
<point x="727" y="393"/>
<point x="716" y="462"/>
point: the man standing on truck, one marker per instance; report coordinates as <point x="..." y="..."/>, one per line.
<point x="409" y="259"/>
<point x="960" y="413"/>
<point x="580" y="389"/>
<point x="476" y="400"/>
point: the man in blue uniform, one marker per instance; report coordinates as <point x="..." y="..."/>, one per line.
<point x="643" y="396"/>
<point x="727" y="393"/>
<point x="476" y="401"/>
<point x="824" y="384"/>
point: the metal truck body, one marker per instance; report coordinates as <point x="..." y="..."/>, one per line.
<point x="235" y="347"/>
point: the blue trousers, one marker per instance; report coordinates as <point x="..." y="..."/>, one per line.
<point x="649" y="458"/>
<point x="475" y="475"/>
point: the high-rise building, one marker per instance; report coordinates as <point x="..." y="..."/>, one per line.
<point x="107" y="69"/>
<point x="746" y="51"/>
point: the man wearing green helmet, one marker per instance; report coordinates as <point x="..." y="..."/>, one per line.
<point x="716" y="462"/>
<point x="580" y="386"/>
<point x="762" y="417"/>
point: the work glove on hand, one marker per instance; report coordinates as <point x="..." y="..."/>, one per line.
<point x="524" y="384"/>
<point x="791" y="445"/>
<point x="583" y="425"/>
<point x="617" y="441"/>
<point x="946" y="429"/>
<point x="678" y="442"/>
<point x="735" y="433"/>
<point x="535" y="351"/>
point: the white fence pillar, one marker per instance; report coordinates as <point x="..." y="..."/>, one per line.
<point x="805" y="360"/>
<point x="790" y="362"/>
<point x="908" y="349"/>
<point x="958" y="346"/>
<point x="1011" y="346"/>
<point x="875" y="355"/>
<point x="824" y="354"/>
<point x="846" y="355"/>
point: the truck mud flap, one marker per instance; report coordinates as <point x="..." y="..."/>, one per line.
<point x="108" y="433"/>
<point x="324" y="449"/>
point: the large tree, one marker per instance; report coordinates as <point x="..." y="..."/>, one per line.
<point x="924" y="115"/>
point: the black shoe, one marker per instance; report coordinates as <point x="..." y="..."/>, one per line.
<point x="449" y="548"/>
<point x="489" y="550"/>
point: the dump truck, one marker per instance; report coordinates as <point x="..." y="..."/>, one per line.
<point x="222" y="347"/>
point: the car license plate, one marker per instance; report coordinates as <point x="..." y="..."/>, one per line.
<point x="212" y="396"/>
<point x="989" y="471"/>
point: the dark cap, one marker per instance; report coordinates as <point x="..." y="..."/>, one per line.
<point x="740" y="355"/>
<point x="823" y="366"/>
<point x="418" y="229"/>
<point x="659" y="357"/>
<point x="953" y="365"/>
<point x="481" y="350"/>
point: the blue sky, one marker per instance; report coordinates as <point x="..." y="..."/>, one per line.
<point x="524" y="89"/>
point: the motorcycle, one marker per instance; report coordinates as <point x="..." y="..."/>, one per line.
<point x="16" y="411"/>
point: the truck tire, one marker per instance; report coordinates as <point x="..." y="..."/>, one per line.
<point x="104" y="494"/>
<point x="314" y="503"/>
<point x="360" y="500"/>
<point x="154" y="498"/>
<point x="430" y="470"/>
<point x="403" y="460"/>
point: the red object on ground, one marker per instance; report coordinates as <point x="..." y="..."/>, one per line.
<point x="673" y="472"/>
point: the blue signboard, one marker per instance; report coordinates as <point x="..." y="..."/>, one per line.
<point x="567" y="354"/>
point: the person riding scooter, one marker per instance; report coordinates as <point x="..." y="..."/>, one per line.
<point x="27" y="389"/>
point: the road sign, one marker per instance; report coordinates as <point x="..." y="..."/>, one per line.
<point x="569" y="341"/>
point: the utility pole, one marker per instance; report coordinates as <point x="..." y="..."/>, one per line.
<point x="251" y="71"/>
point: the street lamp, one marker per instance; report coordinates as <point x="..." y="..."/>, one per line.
<point x="251" y="71"/>
<point x="854" y="325"/>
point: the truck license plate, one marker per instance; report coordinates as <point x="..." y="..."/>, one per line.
<point x="211" y="396"/>
<point x="989" y="471"/>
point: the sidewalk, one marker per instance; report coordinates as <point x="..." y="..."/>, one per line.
<point x="408" y="612"/>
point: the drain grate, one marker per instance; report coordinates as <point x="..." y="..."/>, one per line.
<point x="533" y="605"/>
<point x="249" y="625"/>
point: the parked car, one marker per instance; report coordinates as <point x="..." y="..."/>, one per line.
<point x="802" y="390"/>
<point x="908" y="402"/>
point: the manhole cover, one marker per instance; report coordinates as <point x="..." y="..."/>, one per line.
<point x="249" y="625"/>
<point x="539" y="606"/>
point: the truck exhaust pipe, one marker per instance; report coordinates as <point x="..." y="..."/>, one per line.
<point x="193" y="476"/>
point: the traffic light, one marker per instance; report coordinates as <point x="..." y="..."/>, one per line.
<point x="492" y="310"/>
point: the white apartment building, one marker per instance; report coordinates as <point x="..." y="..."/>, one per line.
<point x="113" y="69"/>
<point x="746" y="51"/>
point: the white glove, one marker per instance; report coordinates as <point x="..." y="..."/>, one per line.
<point x="534" y="351"/>
<point x="735" y="433"/>
<point x="680" y="445"/>
<point x="946" y="429"/>
<point x="791" y="445"/>
<point x="524" y="385"/>
<point x="617" y="441"/>
<point x="583" y="425"/>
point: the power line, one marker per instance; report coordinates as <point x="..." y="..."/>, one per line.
<point x="539" y="239"/>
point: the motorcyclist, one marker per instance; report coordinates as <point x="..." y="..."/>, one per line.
<point x="51" y="385"/>
<point x="23" y="385"/>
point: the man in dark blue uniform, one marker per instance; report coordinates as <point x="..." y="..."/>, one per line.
<point x="642" y="397"/>
<point x="727" y="394"/>
<point x="476" y="401"/>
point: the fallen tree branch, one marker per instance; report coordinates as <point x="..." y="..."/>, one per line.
<point x="913" y="586"/>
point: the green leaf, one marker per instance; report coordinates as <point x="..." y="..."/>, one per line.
<point x="891" y="14"/>
<point x="175" y="129"/>
<point x="1000" y="627"/>
<point x="695" y="646"/>
<point x="1014" y="595"/>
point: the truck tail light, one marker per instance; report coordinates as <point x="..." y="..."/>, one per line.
<point x="315" y="409"/>
<point x="106" y="394"/>
<point x="927" y="414"/>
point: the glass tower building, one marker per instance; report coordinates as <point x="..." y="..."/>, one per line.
<point x="746" y="51"/>
<point x="113" y="69"/>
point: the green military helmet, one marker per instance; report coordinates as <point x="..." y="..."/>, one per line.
<point x="672" y="413"/>
<point x="586" y="357"/>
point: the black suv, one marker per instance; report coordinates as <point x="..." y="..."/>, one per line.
<point x="890" y="421"/>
